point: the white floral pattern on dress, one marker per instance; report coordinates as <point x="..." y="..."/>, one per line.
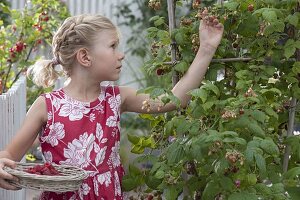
<point x="100" y="154"/>
<point x="56" y="133"/>
<point x="85" y="188"/>
<point x="117" y="185"/>
<point x="114" y="158"/>
<point x="104" y="178"/>
<point x="73" y="109"/>
<point x="114" y="103"/>
<point x="78" y="152"/>
<point x="111" y="121"/>
<point x="96" y="189"/>
<point x="92" y="117"/>
<point x="99" y="134"/>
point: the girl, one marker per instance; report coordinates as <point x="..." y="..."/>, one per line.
<point x="80" y="122"/>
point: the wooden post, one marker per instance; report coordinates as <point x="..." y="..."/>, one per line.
<point x="172" y="26"/>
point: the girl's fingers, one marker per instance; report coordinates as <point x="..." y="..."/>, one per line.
<point x="5" y="185"/>
<point x="219" y="26"/>
<point x="7" y="162"/>
<point x="5" y="175"/>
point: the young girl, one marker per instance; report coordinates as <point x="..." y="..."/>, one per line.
<point x="80" y="123"/>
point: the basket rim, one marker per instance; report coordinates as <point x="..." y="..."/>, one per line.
<point x="80" y="174"/>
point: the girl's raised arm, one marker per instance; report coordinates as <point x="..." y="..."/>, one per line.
<point x="210" y="36"/>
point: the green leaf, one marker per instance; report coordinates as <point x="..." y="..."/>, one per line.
<point x="263" y="189"/>
<point x="293" y="19"/>
<point x="152" y="182"/>
<point x="269" y="15"/>
<point x="261" y="163"/>
<point x="211" y="87"/>
<point x="292" y="173"/>
<point x="251" y="179"/>
<point x="256" y="129"/>
<point x="249" y="26"/>
<point x="159" y="174"/>
<point x="226" y="183"/>
<point x="181" y="67"/>
<point x="199" y="92"/>
<point x="289" y="51"/>
<point x="129" y="183"/>
<point x="258" y="115"/>
<point x="172" y="192"/>
<point x="242" y="195"/>
<point x="294" y="192"/>
<point x="133" y="139"/>
<point x="211" y="189"/>
<point x="133" y="170"/>
<point x="296" y="67"/>
<point x="175" y="155"/>
<point x="156" y="92"/>
<point x="231" y="5"/>
<point x="149" y="142"/>
<point x="180" y="38"/>
<point x="137" y="149"/>
<point x="269" y="147"/>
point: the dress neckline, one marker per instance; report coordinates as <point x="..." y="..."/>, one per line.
<point x="85" y="103"/>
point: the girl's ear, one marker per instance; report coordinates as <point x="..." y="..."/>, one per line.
<point x="83" y="57"/>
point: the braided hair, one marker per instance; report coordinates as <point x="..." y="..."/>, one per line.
<point x="76" y="32"/>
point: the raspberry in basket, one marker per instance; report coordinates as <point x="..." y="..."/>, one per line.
<point x="45" y="169"/>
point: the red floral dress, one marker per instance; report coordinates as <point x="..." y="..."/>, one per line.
<point x="86" y="135"/>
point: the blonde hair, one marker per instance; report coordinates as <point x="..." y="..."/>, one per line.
<point x="76" y="32"/>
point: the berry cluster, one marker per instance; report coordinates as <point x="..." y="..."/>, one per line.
<point x="154" y="4"/>
<point x="250" y="93"/>
<point x="45" y="169"/>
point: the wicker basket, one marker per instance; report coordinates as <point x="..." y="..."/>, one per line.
<point x="70" y="178"/>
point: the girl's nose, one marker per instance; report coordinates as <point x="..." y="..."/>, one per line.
<point x="121" y="56"/>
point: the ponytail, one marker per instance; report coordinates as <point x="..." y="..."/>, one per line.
<point x="43" y="73"/>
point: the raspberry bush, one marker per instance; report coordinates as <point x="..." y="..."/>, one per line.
<point x="230" y="142"/>
<point x="22" y="33"/>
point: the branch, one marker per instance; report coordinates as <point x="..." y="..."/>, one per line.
<point x="21" y="70"/>
<point x="217" y="60"/>
<point x="171" y="14"/>
<point x="289" y="133"/>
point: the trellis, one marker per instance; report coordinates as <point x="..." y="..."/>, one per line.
<point x="175" y="77"/>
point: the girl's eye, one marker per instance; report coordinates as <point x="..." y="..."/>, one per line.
<point x="114" y="46"/>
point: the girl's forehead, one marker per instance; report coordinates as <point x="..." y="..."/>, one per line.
<point x="108" y="36"/>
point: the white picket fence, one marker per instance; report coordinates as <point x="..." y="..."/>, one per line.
<point x="12" y="113"/>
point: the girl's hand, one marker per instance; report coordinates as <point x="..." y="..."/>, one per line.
<point x="210" y="31"/>
<point x="4" y="176"/>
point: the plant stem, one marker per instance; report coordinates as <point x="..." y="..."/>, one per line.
<point x="172" y="25"/>
<point x="289" y="133"/>
<point x="21" y="70"/>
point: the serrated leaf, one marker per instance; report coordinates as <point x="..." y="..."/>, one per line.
<point x="152" y="182"/>
<point x="242" y="195"/>
<point x="201" y="93"/>
<point x="211" y="189"/>
<point x="293" y="19"/>
<point x="159" y="174"/>
<point x="292" y="173"/>
<point x="261" y="163"/>
<point x="133" y="138"/>
<point x="289" y="51"/>
<point x="269" y="147"/>
<point x="156" y="92"/>
<point x="258" y="116"/>
<point x="181" y="66"/>
<point x="226" y="183"/>
<point x="211" y="87"/>
<point x="269" y="15"/>
<point x="256" y="129"/>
